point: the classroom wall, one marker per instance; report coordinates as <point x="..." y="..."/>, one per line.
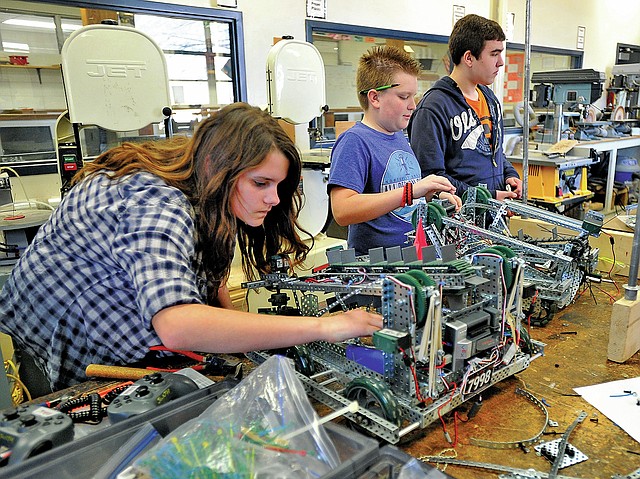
<point x="555" y="24"/>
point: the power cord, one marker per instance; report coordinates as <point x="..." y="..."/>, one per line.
<point x="24" y="191"/>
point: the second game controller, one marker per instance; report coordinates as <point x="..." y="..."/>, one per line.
<point x="148" y="393"/>
<point x="26" y="431"/>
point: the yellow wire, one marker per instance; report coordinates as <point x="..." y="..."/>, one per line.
<point x="448" y="453"/>
<point x="19" y="388"/>
<point x="9" y="362"/>
<point x="21" y="384"/>
<point x="606" y="259"/>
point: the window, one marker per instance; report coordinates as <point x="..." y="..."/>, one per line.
<point x="203" y="49"/>
<point x="541" y="60"/>
<point x="198" y="58"/>
<point x="342" y="45"/>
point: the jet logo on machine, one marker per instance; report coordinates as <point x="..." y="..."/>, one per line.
<point x="116" y="68"/>
<point x="302" y="76"/>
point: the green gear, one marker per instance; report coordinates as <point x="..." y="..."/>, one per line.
<point x="461" y="266"/>
<point x="419" y="297"/>
<point x="423" y="278"/>
<point x="506" y="265"/>
<point x="435" y="213"/>
<point x="375" y="396"/>
<point x="508" y="252"/>
<point x="483" y="195"/>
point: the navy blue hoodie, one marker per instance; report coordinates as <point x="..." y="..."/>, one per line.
<point x="448" y="139"/>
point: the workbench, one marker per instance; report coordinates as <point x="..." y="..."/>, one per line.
<point x="611" y="145"/>
<point x="575" y="356"/>
<point x="19" y="227"/>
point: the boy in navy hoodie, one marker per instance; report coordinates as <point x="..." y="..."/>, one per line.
<point x="457" y="129"/>
<point x="375" y="176"/>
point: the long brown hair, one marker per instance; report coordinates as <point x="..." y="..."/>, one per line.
<point x="206" y="168"/>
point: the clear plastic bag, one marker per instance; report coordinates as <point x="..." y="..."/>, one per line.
<point x="265" y="427"/>
<point x="412" y="470"/>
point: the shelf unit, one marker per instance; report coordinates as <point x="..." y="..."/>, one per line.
<point x="37" y="68"/>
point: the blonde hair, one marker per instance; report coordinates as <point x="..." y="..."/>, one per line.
<point x="377" y="68"/>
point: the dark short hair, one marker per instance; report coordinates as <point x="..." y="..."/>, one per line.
<point x="470" y="33"/>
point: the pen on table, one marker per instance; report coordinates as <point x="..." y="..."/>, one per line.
<point x="625" y="393"/>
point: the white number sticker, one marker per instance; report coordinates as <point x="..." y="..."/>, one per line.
<point x="478" y="381"/>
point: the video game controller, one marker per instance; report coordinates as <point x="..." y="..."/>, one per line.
<point x="148" y="393"/>
<point x="26" y="431"/>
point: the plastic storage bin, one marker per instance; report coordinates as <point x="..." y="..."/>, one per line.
<point x="83" y="458"/>
<point x="390" y="461"/>
<point x="626" y="166"/>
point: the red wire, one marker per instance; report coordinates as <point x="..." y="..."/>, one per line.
<point x="612" y="299"/>
<point x="415" y="376"/>
<point x="533" y="301"/>
<point x="444" y="426"/>
<point x="455" y="429"/>
<point x="420" y="398"/>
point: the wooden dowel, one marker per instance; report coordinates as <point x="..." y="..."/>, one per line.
<point x="115" y="372"/>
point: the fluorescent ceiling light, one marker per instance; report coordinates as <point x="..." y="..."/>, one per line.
<point x="19" y="22"/>
<point x="67" y="27"/>
<point x="10" y="47"/>
<point x="408" y="49"/>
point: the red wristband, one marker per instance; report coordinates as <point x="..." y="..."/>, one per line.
<point x="407" y="194"/>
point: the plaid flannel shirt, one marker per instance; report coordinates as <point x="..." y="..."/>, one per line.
<point x="111" y="256"/>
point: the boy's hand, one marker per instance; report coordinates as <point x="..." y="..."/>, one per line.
<point x="503" y="195"/>
<point x="431" y="185"/>
<point x="453" y="199"/>
<point x="516" y="186"/>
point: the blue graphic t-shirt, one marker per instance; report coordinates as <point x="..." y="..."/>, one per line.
<point x="369" y="161"/>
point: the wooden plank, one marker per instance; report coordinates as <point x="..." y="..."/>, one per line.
<point x="624" y="335"/>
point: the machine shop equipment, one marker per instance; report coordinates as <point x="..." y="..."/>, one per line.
<point x="568" y="91"/>
<point x="108" y="70"/>
<point x="625" y="84"/>
<point x="557" y="183"/>
<point x="451" y="329"/>
<point x="295" y="70"/>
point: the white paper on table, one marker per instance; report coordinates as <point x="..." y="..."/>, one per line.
<point x="610" y="399"/>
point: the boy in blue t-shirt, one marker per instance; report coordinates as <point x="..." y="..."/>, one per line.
<point x="375" y="181"/>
